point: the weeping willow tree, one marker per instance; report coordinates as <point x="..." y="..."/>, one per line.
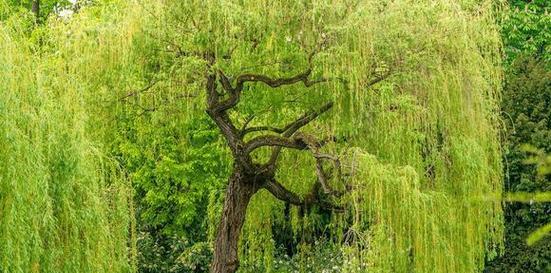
<point x="380" y="114"/>
<point x="64" y="206"/>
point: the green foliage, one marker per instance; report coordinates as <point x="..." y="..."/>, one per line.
<point x="64" y="205"/>
<point x="539" y="234"/>
<point x="526" y="108"/>
<point x="47" y="7"/>
<point x="526" y="29"/>
<point x="526" y="34"/>
<point x="539" y="158"/>
<point x="173" y="167"/>
<point x="435" y="115"/>
<point x="427" y="132"/>
<point x="426" y="151"/>
<point x="176" y="169"/>
<point x="160" y="253"/>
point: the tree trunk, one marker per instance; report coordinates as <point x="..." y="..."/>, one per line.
<point x="35" y="8"/>
<point x="238" y="194"/>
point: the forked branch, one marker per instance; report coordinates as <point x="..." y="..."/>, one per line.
<point x="323" y="177"/>
<point x="302" y="121"/>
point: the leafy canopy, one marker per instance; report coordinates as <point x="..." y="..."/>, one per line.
<point x="415" y="87"/>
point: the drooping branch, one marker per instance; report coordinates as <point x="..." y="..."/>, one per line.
<point x="285" y="195"/>
<point x="323" y="177"/>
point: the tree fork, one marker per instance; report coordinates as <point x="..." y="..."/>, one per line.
<point x="247" y="177"/>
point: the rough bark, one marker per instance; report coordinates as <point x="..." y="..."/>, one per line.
<point x="238" y="195"/>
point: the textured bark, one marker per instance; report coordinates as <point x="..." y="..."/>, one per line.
<point x="35" y="8"/>
<point x="238" y="195"/>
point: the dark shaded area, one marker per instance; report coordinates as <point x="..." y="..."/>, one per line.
<point x="527" y="113"/>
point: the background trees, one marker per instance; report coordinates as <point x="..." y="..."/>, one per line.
<point x="526" y="110"/>
<point x="41" y="9"/>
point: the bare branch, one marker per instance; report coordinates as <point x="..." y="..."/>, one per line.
<point x="235" y="92"/>
<point x="247" y="121"/>
<point x="222" y="120"/>
<point x="277" y="150"/>
<point x="283" y="194"/>
<point x="277" y="82"/>
<point x="376" y="80"/>
<point x="291" y="128"/>
<point x="273" y="140"/>
<point x="323" y="177"/>
<point x="380" y="78"/>
<point x="212" y="94"/>
<point x="225" y="82"/>
<point x="261" y="128"/>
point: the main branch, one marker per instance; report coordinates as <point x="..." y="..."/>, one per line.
<point x="277" y="82"/>
<point x="235" y="92"/>
<point x="273" y="140"/>
<point x="283" y="194"/>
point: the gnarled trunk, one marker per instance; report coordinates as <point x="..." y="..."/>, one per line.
<point x="238" y="195"/>
<point x="247" y="177"/>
